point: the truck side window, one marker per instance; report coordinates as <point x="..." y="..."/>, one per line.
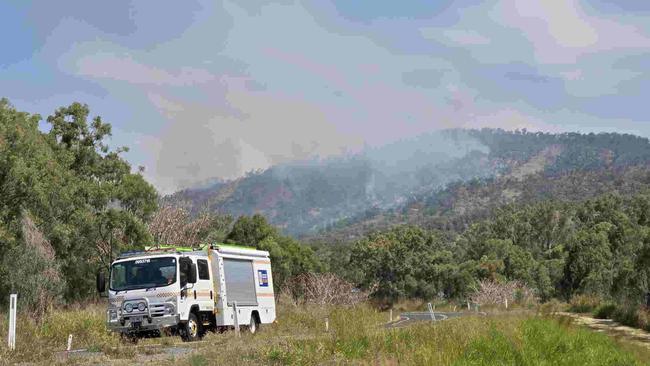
<point x="204" y="273"/>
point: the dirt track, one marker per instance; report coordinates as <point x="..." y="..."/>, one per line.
<point x="612" y="328"/>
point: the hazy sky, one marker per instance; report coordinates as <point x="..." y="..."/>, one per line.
<point x="202" y="89"/>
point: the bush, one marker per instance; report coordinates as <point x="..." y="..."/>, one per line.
<point x="604" y="311"/>
<point x="643" y="318"/>
<point x="30" y="269"/>
<point x="551" y="307"/>
<point x="632" y="316"/>
<point x="626" y="315"/>
<point x="584" y="303"/>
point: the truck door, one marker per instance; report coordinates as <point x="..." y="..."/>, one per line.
<point x="187" y="294"/>
<point x="204" y="292"/>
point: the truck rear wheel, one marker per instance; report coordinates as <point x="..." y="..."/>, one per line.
<point x="191" y="330"/>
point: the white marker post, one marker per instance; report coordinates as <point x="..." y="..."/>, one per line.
<point x="234" y="309"/>
<point x="327" y="325"/>
<point x="433" y="316"/>
<point x="390" y="316"/>
<point x="69" y="348"/>
<point x="11" y="338"/>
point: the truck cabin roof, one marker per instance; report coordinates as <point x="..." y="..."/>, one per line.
<point x="221" y="248"/>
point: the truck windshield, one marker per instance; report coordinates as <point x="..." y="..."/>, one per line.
<point x="143" y="273"/>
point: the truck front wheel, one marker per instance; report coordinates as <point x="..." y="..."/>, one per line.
<point x="191" y="330"/>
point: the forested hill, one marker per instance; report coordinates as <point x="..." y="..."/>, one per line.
<point x="452" y="173"/>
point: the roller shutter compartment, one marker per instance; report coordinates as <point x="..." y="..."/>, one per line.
<point x="240" y="281"/>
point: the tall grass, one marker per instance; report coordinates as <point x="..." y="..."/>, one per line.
<point x="538" y="341"/>
<point x="357" y="335"/>
<point x="39" y="341"/>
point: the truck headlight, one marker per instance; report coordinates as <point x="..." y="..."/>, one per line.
<point x="128" y="308"/>
<point x="141" y="306"/>
<point x="169" y="309"/>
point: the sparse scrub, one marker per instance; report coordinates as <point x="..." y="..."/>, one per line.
<point x="551" y="307"/>
<point x="584" y="303"/>
<point x="409" y="305"/>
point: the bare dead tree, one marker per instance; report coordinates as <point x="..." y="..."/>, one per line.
<point x="173" y="224"/>
<point x="168" y="224"/>
<point x="494" y="292"/>
<point x="322" y="289"/>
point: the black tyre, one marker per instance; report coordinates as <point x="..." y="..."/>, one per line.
<point x="191" y="330"/>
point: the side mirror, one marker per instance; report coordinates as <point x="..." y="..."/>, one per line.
<point x="191" y="276"/>
<point x="101" y="282"/>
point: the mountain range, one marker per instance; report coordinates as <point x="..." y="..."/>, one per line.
<point x="445" y="178"/>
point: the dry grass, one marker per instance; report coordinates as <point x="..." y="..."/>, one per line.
<point x="356" y="336"/>
<point x="39" y="342"/>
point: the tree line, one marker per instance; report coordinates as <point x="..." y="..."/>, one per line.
<point x="599" y="246"/>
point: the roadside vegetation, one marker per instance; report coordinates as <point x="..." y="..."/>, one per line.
<point x="625" y="313"/>
<point x="357" y="334"/>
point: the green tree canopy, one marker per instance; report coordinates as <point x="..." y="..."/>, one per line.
<point x="78" y="192"/>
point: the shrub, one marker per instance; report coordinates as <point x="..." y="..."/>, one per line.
<point x="626" y="315"/>
<point x="30" y="269"/>
<point x="604" y="311"/>
<point x="551" y="307"/>
<point x="643" y="318"/>
<point x="584" y="303"/>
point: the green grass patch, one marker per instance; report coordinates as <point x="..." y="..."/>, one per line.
<point x="540" y="341"/>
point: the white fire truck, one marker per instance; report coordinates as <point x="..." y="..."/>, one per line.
<point x="189" y="292"/>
